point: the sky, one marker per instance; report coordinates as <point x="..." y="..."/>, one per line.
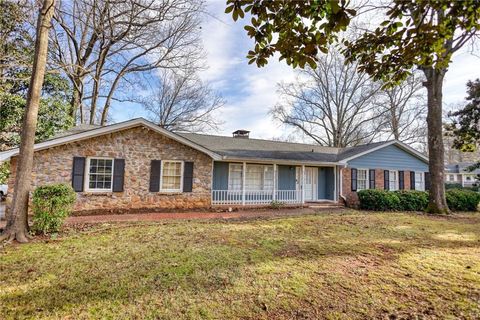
<point x="250" y="92"/>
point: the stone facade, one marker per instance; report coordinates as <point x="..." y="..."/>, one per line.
<point x="138" y="146"/>
<point x="352" y="197"/>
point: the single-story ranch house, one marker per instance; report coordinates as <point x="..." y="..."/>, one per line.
<point x="139" y="165"/>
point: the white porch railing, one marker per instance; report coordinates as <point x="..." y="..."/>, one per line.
<point x="228" y="197"/>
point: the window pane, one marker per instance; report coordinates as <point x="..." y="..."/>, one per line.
<point x="235" y="177"/>
<point x="171" y="175"/>
<point x="100" y="174"/>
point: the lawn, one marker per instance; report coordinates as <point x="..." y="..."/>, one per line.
<point x="336" y="266"/>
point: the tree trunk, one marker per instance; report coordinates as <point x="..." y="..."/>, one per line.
<point x="434" y="84"/>
<point x="17" y="223"/>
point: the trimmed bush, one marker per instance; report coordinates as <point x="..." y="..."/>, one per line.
<point x="378" y="200"/>
<point x="51" y="205"/>
<point x="412" y="200"/>
<point x="462" y="200"/>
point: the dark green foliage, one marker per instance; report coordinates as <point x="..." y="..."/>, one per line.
<point x="51" y="205"/>
<point x="4" y="172"/>
<point x="378" y="200"/>
<point x="449" y="186"/>
<point x="412" y="200"/>
<point x="463" y="200"/>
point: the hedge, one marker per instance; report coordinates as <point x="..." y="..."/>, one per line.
<point x="412" y="200"/>
<point x="51" y="205"/>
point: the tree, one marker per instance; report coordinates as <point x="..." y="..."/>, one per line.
<point x="402" y="111"/>
<point x="465" y="127"/>
<point x="182" y="102"/>
<point x="17" y="224"/>
<point x="332" y="104"/>
<point x="422" y="34"/>
<point x="99" y="44"/>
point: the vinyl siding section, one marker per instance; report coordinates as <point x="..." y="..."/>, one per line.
<point x="390" y="157"/>
<point x="286" y="178"/>
<point x="220" y="176"/>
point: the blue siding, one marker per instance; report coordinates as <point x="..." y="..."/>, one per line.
<point x="220" y="176"/>
<point x="391" y="157"/>
<point x="326" y="183"/>
<point x="286" y="178"/>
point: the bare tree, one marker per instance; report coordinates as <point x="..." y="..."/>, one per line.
<point x="182" y="102"/>
<point x="403" y="111"/>
<point x="98" y="44"/>
<point x="333" y="104"/>
<point x="17" y="224"/>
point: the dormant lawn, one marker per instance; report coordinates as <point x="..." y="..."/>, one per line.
<point x="338" y="266"/>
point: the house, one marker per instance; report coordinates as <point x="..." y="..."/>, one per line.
<point x="458" y="173"/>
<point x="139" y="165"/>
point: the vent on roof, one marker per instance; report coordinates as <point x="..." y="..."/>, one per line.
<point x="241" y="134"/>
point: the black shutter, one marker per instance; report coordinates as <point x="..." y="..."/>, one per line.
<point x="187" y="177"/>
<point x="427" y="180"/>
<point x="386" y="180"/>
<point x="118" y="174"/>
<point x="78" y="172"/>
<point x="371" y="178"/>
<point x="354" y="179"/>
<point x="401" y="180"/>
<point x="155" y="175"/>
<point x="412" y="180"/>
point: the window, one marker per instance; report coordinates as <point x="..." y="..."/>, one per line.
<point x="362" y="179"/>
<point x="451" y="177"/>
<point x="419" y="181"/>
<point x="171" y="176"/>
<point x="235" y="176"/>
<point x="393" y="180"/>
<point x="258" y="177"/>
<point x="100" y="173"/>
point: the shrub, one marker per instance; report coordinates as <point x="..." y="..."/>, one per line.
<point x="462" y="200"/>
<point x="276" y="205"/>
<point x="412" y="200"/>
<point x="378" y="200"/>
<point x="51" y="205"/>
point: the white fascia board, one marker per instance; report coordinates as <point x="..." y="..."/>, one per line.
<point x="106" y="130"/>
<point x="399" y="144"/>
<point x="279" y="161"/>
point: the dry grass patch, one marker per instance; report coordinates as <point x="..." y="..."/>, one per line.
<point x="338" y="266"/>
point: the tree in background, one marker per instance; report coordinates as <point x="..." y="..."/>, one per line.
<point x="333" y="104"/>
<point x="422" y="34"/>
<point x="182" y="102"/>
<point x="102" y="45"/>
<point x="465" y="127"/>
<point x="402" y="111"/>
<point x="17" y="223"/>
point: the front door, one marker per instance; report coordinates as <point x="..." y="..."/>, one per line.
<point x="311" y="181"/>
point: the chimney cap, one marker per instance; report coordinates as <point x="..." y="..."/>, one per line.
<point x="241" y="133"/>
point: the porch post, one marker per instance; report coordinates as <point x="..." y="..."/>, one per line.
<point x="244" y="173"/>
<point x="335" y="176"/>
<point x="274" y="196"/>
<point x="302" y="185"/>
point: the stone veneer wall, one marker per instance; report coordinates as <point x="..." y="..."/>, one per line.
<point x="138" y="146"/>
<point x="352" y="197"/>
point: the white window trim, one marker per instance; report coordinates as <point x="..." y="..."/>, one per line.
<point x="367" y="175"/>
<point x="181" y="177"/>
<point x="86" y="182"/>
<point x="397" y="187"/>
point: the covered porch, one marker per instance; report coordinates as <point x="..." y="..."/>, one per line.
<point x="244" y="183"/>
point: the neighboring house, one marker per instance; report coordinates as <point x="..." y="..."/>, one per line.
<point x="458" y="173"/>
<point x="139" y="165"/>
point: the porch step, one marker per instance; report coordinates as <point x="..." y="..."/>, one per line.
<point x="325" y="205"/>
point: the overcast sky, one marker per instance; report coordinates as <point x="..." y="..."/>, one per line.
<point x="250" y="92"/>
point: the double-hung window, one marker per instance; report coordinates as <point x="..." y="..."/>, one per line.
<point x="362" y="179"/>
<point x="393" y="180"/>
<point x="99" y="174"/>
<point x="235" y="176"/>
<point x="419" y="181"/>
<point x="171" y="176"/>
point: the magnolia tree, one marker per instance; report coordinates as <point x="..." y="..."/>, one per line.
<point x="415" y="34"/>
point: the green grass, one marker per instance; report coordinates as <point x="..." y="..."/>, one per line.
<point x="334" y="266"/>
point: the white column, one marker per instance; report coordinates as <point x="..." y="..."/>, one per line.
<point x="274" y="197"/>
<point x="463" y="180"/>
<point x="302" y="185"/>
<point x="244" y="173"/>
